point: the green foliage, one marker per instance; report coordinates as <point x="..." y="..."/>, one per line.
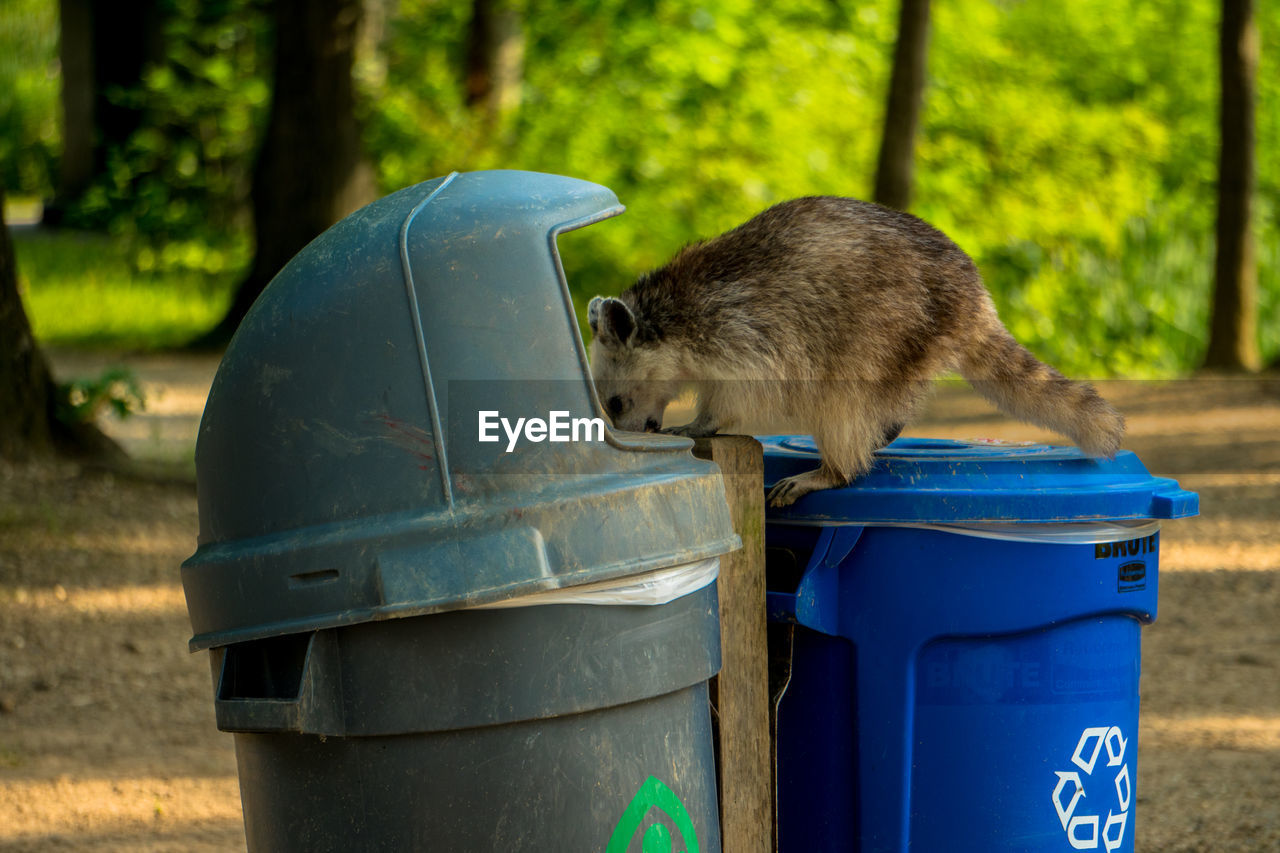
<point x="80" y="401"/>
<point x="29" y="107"/>
<point x="177" y="190"/>
<point x="183" y="177"/>
<point x="1055" y="150"/>
<point x="695" y="116"/>
<point x="1070" y="148"/>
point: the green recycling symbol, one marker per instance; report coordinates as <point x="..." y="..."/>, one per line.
<point x="657" y="838"/>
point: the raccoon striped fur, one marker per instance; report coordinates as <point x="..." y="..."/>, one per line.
<point x="828" y="314"/>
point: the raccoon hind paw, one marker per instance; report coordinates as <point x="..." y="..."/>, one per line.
<point x="788" y="490"/>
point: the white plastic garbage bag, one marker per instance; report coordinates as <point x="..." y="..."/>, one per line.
<point x="651" y="588"/>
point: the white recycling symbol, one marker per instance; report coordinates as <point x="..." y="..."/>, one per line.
<point x="1088" y="831"/>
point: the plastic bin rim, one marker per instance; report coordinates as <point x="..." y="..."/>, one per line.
<point x="1039" y="532"/>
<point x="943" y="481"/>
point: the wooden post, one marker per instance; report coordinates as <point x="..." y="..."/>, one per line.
<point x="741" y="691"/>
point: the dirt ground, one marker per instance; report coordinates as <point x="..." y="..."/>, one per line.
<point x="107" y="737"/>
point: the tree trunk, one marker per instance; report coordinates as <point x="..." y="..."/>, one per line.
<point x="75" y="54"/>
<point x="894" y="171"/>
<point x="1233" y="330"/>
<point x="310" y="171"/>
<point x="495" y="58"/>
<point x="28" y="427"/>
<point x="126" y="40"/>
<point x="24" y="376"/>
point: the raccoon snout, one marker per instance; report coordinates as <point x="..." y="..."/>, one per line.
<point x="652" y="425"/>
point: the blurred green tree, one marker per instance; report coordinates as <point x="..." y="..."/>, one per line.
<point x="494" y="70"/>
<point x="1233" y="328"/>
<point x="310" y="169"/>
<point x="895" y="168"/>
<point x="105" y="49"/>
<point x="29" y="113"/>
<point x="174" y="183"/>
<point x="1069" y="149"/>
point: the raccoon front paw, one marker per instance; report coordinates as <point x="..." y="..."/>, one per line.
<point x="695" y="429"/>
<point x="788" y="490"/>
<point x="700" y="427"/>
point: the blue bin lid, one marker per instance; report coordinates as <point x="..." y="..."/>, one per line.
<point x="938" y="481"/>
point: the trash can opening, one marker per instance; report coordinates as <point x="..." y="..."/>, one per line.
<point x="265" y="669"/>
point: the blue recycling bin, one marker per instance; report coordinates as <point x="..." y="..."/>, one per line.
<point x="956" y="647"/>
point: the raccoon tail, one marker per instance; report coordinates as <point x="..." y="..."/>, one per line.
<point x="1023" y="387"/>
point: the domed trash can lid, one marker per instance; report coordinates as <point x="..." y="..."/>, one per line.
<point x="940" y="481"/>
<point x="344" y="469"/>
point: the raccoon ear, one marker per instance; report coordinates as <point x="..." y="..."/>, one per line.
<point x="593" y="314"/>
<point x="611" y="320"/>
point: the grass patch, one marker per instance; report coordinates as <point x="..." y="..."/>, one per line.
<point x="84" y="290"/>
<point x="10" y="759"/>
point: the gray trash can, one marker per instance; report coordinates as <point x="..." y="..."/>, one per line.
<point x="429" y="629"/>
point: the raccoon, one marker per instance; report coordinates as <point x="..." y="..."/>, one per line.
<point x="830" y="314"/>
